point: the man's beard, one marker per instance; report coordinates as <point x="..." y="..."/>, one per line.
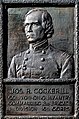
<point x="32" y="38"/>
<point x="33" y="41"/>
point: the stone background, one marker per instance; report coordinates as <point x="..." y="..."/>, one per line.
<point x="63" y="38"/>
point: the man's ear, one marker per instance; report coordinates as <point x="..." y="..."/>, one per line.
<point x="44" y="24"/>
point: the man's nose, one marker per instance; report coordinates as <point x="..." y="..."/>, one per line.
<point x="29" y="27"/>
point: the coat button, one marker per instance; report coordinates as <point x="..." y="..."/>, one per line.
<point x="43" y="52"/>
<point x="41" y="67"/>
<point x="28" y="51"/>
<point x="42" y="59"/>
<point x="42" y="78"/>
<point x="24" y="67"/>
<point x="26" y="59"/>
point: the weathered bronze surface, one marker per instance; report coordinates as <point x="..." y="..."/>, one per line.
<point x="41" y="60"/>
<point x="43" y="76"/>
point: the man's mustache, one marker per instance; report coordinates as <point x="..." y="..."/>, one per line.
<point x="29" y="35"/>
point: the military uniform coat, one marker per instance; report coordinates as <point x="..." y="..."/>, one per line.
<point x="47" y="63"/>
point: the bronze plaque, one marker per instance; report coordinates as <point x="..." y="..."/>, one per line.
<point x="36" y="99"/>
<point x="39" y="40"/>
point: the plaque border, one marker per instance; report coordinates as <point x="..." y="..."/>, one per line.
<point x="14" y="3"/>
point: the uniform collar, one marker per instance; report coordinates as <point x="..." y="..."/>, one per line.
<point x="40" y="45"/>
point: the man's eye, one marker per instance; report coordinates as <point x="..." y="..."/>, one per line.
<point x="26" y="25"/>
<point x="35" y="24"/>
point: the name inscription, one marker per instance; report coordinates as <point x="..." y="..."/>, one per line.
<point x="39" y="99"/>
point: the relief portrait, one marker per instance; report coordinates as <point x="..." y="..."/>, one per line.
<point x="41" y="60"/>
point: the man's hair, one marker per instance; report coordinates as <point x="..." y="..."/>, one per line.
<point x="46" y="21"/>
